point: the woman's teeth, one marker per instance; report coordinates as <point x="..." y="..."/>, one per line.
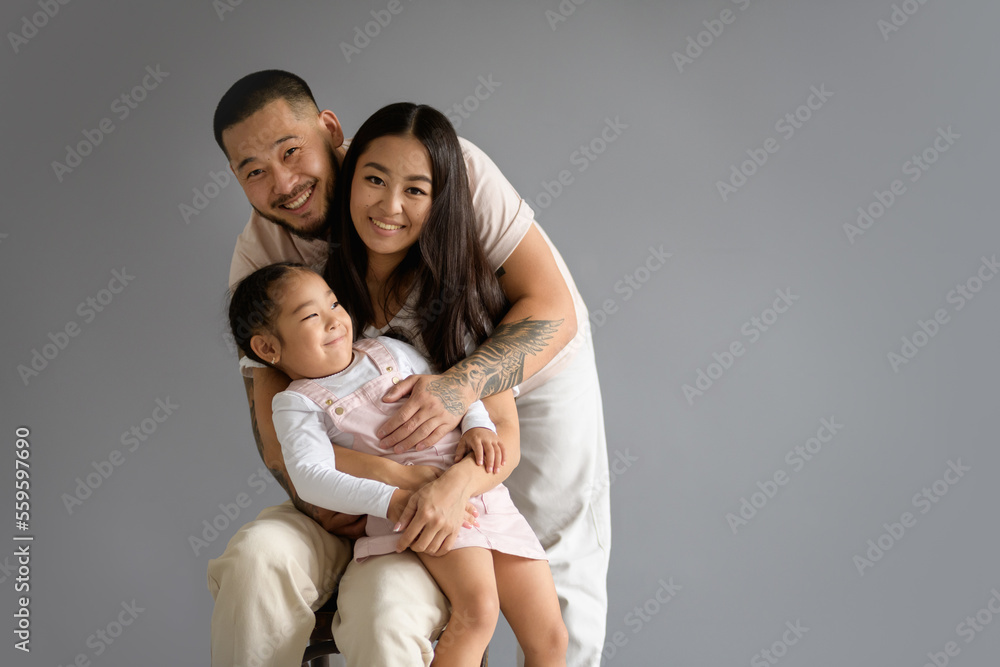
<point x="292" y="205"/>
<point x="385" y="225"/>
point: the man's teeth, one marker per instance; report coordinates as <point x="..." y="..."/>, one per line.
<point x="292" y="205"/>
<point x="385" y="225"/>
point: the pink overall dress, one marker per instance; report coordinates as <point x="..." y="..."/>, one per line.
<point x="360" y="413"/>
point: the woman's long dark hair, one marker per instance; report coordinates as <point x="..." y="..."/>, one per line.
<point x="458" y="292"/>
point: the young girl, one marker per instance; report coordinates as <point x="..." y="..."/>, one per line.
<point x="286" y="316"/>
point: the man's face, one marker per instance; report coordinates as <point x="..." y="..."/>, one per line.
<point x="286" y="165"/>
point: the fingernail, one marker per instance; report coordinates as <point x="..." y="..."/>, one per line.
<point x="397" y="527"/>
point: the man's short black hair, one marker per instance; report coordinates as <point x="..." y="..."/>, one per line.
<point x="255" y="91"/>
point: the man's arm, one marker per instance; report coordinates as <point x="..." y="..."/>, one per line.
<point x="540" y="322"/>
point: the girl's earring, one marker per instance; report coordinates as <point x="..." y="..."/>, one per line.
<point x="274" y="360"/>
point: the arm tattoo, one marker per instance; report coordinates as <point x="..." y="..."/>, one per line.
<point x="497" y="365"/>
<point x="277" y="471"/>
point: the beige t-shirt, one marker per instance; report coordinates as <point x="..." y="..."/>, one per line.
<point x="502" y="218"/>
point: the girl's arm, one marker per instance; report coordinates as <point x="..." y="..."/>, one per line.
<point x="302" y="430"/>
<point x="261" y="390"/>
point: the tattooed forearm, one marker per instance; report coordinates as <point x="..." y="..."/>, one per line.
<point x="277" y="472"/>
<point x="497" y="365"/>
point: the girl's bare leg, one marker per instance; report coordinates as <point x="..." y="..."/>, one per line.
<point x="466" y="578"/>
<point x="530" y="605"/>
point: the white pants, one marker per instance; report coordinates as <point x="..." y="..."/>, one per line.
<point x="282" y="566"/>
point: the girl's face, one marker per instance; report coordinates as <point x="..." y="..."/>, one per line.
<point x="391" y="196"/>
<point x="315" y="331"/>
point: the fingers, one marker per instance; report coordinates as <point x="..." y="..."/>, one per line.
<point x="425" y="430"/>
<point x="400" y="389"/>
<point x="404" y="519"/>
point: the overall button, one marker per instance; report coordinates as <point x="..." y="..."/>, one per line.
<point x="339" y="410"/>
<point x="329" y="401"/>
<point x="395" y="380"/>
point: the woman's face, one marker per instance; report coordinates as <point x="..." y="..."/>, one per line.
<point x="391" y="196"/>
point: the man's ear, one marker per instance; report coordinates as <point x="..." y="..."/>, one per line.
<point x="331" y="124"/>
<point x="266" y="346"/>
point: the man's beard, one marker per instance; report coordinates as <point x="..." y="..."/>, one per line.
<point x="322" y="230"/>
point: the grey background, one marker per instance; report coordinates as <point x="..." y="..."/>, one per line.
<point x="689" y="465"/>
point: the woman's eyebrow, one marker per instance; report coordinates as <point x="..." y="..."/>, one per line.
<point x="412" y="177"/>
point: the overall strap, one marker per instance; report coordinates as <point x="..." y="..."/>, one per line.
<point x="379" y="354"/>
<point x="323" y="397"/>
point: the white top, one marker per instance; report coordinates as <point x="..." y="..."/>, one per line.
<point x="305" y="431"/>
<point x="502" y="219"/>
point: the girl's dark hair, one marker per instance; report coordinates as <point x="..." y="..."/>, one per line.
<point x="255" y="303"/>
<point x="458" y="293"/>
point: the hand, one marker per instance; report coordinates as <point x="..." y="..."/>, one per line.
<point x="414" y="477"/>
<point x="432" y="518"/>
<point x="486" y="446"/>
<point x="434" y="408"/>
<point x="401" y="498"/>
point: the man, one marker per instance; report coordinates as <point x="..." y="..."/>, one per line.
<point x="276" y="570"/>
